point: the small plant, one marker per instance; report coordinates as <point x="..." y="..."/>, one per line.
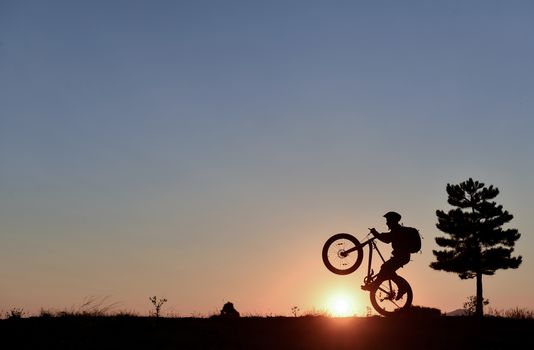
<point x="15" y="313"/>
<point x="471" y="304"/>
<point x="295" y="311"/>
<point x="158" y="303"/>
<point x="368" y="311"/>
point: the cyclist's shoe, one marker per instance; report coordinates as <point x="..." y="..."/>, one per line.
<point x="366" y="286"/>
<point x="369" y="286"/>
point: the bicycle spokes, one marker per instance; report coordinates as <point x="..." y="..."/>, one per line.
<point x="340" y="256"/>
<point x="385" y="294"/>
<point x="389" y="298"/>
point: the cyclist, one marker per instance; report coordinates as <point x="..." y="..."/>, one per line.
<point x="400" y="255"/>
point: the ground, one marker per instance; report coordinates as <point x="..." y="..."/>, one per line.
<point x="267" y="333"/>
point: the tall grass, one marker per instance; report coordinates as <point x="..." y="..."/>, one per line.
<point x="15" y="313"/>
<point x="90" y="307"/>
<point x="102" y="307"/>
<point x="515" y="313"/>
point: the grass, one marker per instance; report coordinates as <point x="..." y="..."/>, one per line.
<point x="289" y="332"/>
<point x="15" y="313"/>
<point x="90" y="307"/>
<point x="517" y="313"/>
<point x="103" y="307"/>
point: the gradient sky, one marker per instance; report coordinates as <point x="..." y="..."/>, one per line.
<point x="203" y="151"/>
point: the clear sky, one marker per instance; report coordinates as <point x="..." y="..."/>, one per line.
<point x="203" y="151"/>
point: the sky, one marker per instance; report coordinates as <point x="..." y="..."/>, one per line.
<point x="203" y="151"/>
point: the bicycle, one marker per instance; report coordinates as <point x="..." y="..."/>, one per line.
<point x="342" y="254"/>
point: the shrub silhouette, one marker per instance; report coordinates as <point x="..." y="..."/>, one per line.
<point x="470" y="305"/>
<point x="229" y="311"/>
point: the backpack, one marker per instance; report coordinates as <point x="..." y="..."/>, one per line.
<point x="412" y="239"/>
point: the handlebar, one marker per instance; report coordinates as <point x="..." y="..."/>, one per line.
<point x="368" y="241"/>
<point x="364" y="243"/>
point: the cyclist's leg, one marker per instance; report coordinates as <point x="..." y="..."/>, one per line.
<point x="400" y="261"/>
<point x="389" y="267"/>
<point x="396" y="262"/>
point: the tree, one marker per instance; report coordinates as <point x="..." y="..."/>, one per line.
<point x="476" y="244"/>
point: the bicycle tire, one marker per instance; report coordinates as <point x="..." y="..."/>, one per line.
<point x="384" y="294"/>
<point x="332" y="254"/>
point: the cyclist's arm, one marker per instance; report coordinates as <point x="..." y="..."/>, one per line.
<point x="385" y="237"/>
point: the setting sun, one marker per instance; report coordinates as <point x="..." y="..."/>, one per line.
<point x="341" y="306"/>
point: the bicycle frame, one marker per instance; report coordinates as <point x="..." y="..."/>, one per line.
<point x="372" y="246"/>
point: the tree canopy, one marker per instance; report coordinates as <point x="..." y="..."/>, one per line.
<point x="475" y="244"/>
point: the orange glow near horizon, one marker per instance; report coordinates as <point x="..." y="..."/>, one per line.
<point x="343" y="305"/>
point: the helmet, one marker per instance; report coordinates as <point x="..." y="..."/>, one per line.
<point x="393" y="216"/>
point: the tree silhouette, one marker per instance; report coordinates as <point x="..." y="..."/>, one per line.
<point x="476" y="244"/>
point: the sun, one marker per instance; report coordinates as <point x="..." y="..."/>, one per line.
<point x="341" y="306"/>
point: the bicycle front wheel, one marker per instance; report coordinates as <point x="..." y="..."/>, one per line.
<point x="391" y="296"/>
<point x="335" y="258"/>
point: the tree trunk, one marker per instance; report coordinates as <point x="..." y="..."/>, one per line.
<point x="479" y="311"/>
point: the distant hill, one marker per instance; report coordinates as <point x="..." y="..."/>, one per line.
<point x="457" y="312"/>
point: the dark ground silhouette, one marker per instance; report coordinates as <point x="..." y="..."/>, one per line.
<point x="451" y="333"/>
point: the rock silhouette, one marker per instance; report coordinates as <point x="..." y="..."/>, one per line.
<point x="229" y="311"/>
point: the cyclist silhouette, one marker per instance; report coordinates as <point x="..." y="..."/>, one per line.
<point x="400" y="255"/>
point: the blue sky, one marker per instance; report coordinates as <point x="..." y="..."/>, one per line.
<point x="148" y="146"/>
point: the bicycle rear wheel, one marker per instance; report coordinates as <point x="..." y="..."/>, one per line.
<point x="385" y="297"/>
<point x="334" y="256"/>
